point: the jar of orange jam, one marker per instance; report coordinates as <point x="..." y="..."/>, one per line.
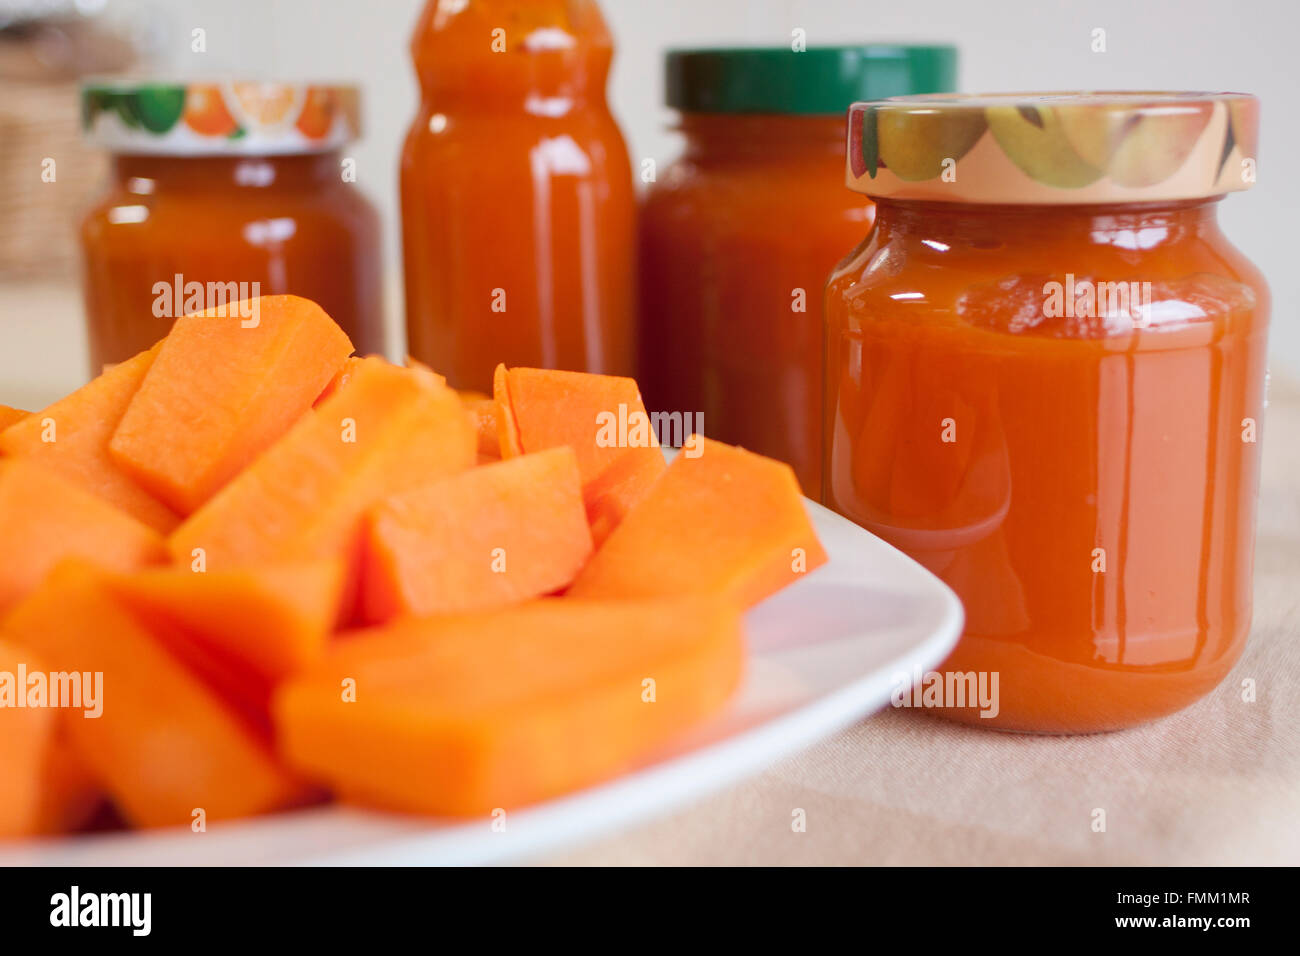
<point x="1044" y="381"/>
<point x="737" y="235"/>
<point x="517" y="200"/>
<point x="219" y="191"/>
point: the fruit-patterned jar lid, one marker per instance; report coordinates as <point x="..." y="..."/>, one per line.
<point x="219" y="118"/>
<point x="1054" y="148"/>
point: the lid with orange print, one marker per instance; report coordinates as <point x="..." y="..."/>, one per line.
<point x="1053" y="148"/>
<point x="231" y="117"/>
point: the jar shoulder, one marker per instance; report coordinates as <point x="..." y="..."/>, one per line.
<point x="1018" y="284"/>
<point x="498" y="156"/>
<point x="454" y="130"/>
<point x="756" y="196"/>
<point x="118" y="216"/>
<point x="329" y="197"/>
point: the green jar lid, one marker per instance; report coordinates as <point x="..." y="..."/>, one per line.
<point x="821" y="81"/>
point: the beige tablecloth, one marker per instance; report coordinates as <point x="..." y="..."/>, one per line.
<point x="1218" y="783"/>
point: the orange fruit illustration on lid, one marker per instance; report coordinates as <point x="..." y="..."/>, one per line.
<point x="317" y="116"/>
<point x="264" y="106"/>
<point x="206" y="113"/>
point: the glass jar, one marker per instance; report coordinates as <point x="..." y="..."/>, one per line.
<point x="225" y="190"/>
<point x="736" y="236"/>
<point x="1045" y="375"/>
<point x="517" y="200"/>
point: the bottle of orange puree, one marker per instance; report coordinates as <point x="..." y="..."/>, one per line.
<point x="517" y="198"/>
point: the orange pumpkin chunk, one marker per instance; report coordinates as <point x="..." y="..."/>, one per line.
<point x="725" y="522"/>
<point x="72" y="435"/>
<point x="165" y="744"/>
<point x="601" y="417"/>
<point x="26" y="734"/>
<point x="488" y="537"/>
<point x="391" y="429"/>
<point x="461" y="714"/>
<point x="46" y="518"/>
<point x="222" y="389"/>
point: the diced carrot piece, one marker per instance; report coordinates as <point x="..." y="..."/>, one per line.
<point x="461" y="714"/>
<point x="485" y="538"/>
<point x="725" y="522"/>
<point x="268" y="621"/>
<point x="483" y="413"/>
<point x="341" y="378"/>
<point x="45" y="518"/>
<point x="164" y="745"/>
<point x="390" y="430"/>
<point x="25" y="736"/>
<point x="601" y="417"/>
<point x="72" y="435"/>
<point x="10" y="416"/>
<point x="222" y="389"/>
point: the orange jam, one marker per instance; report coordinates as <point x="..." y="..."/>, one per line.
<point x="738" y="234"/>
<point x="1054" y="403"/>
<point x="517" y="199"/>
<point x="219" y="192"/>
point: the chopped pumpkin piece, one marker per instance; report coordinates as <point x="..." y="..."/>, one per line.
<point x="45" y="518"/>
<point x="222" y="389"/>
<point x="725" y="522"/>
<point x="508" y="443"/>
<point x="341" y="378"/>
<point x="461" y="714"/>
<point x="391" y="429"/>
<point x="72" y="435"/>
<point x="26" y="734"/>
<point x="495" y="535"/>
<point x="613" y="493"/>
<point x="70" y="791"/>
<point x="601" y="417"/>
<point x="270" y="620"/>
<point x="165" y="746"/>
<point x="10" y="416"/>
<point x="483" y="413"/>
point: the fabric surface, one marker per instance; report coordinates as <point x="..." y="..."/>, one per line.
<point x="1216" y="784"/>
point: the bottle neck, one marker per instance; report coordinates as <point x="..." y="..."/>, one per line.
<point x="145" y="173"/>
<point x="546" y="56"/>
<point x="718" y="137"/>
<point x="1135" y="226"/>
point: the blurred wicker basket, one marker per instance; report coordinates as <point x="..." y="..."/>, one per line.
<point x="38" y="219"/>
<point x="41" y="62"/>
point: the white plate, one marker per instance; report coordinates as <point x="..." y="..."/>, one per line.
<point x="824" y="653"/>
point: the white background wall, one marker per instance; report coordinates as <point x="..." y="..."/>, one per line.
<point x="1246" y="45"/>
